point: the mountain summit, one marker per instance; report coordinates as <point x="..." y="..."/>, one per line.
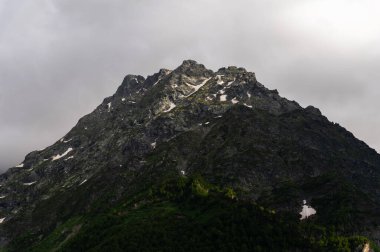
<point x="192" y="159"/>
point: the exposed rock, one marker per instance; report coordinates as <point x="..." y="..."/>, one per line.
<point x="225" y="125"/>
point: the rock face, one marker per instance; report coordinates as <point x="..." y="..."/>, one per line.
<point x="224" y="125"/>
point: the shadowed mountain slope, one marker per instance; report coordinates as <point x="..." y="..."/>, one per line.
<point x="182" y="150"/>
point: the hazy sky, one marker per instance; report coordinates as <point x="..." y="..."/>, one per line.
<point x="60" y="58"/>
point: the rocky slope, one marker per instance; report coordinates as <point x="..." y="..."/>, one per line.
<point x="224" y="127"/>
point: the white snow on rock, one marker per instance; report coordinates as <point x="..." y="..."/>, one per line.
<point x="156" y="82"/>
<point x="307" y="211"/>
<point x="3" y="196"/>
<point x="230" y="82"/>
<point x="249" y="106"/>
<point x="222" y="91"/>
<point x="172" y="106"/>
<point x="153" y="145"/>
<point x="85" y="128"/>
<point x="219" y="116"/>
<point x="71" y="157"/>
<point x="249" y="95"/>
<point x="2" y="220"/>
<point x="197" y="87"/>
<point x="133" y="102"/>
<point x="219" y="79"/>
<point x="20" y="165"/>
<point x="207" y="123"/>
<point x="84" y="181"/>
<point x="109" y="106"/>
<point x="223" y="98"/>
<point x="30" y="183"/>
<point x="366" y="248"/>
<point x="123" y="99"/>
<point x="234" y="100"/>
<point x="59" y="156"/>
<point x="183" y="172"/>
<point x="62" y="140"/>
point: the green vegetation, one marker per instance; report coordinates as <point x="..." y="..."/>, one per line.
<point x="189" y="214"/>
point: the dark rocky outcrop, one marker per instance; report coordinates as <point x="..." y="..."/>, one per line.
<point x="225" y="126"/>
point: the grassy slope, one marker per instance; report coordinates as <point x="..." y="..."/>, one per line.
<point x="188" y="214"/>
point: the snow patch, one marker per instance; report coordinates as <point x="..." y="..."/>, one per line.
<point x="366" y="247"/>
<point x="222" y="91"/>
<point x="20" y="165"/>
<point x="30" y="183"/>
<point x="223" y="98"/>
<point x="234" y="100"/>
<point x="172" y="106"/>
<point x="156" y="82"/>
<point x="197" y="87"/>
<point x="84" y="181"/>
<point x="3" y="196"/>
<point x="58" y="156"/>
<point x="71" y="157"/>
<point x="219" y="116"/>
<point x="123" y="99"/>
<point x="2" y="220"/>
<point x="183" y="172"/>
<point x="230" y="82"/>
<point x="249" y="106"/>
<point x="153" y="145"/>
<point x="62" y="140"/>
<point x="249" y="95"/>
<point x="109" y="106"/>
<point x="207" y="123"/>
<point x="307" y="211"/>
<point x="219" y="79"/>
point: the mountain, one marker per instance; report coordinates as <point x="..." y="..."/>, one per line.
<point x="192" y="159"/>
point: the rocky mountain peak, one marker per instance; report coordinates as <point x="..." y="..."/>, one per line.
<point x="193" y="68"/>
<point x="224" y="125"/>
<point x="130" y="84"/>
<point x="237" y="72"/>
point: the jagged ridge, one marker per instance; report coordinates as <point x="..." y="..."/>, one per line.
<point x="194" y="118"/>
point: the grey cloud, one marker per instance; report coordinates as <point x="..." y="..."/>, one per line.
<point x="60" y="58"/>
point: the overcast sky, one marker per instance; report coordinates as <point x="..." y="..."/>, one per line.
<point x="60" y="58"/>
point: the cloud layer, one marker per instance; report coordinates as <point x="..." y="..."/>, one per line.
<point x="60" y="58"/>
